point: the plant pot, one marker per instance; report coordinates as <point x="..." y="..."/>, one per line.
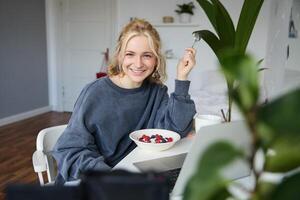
<point x="185" y="18"/>
<point x="206" y="120"/>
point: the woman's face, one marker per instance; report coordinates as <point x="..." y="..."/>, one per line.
<point x="139" y="62"/>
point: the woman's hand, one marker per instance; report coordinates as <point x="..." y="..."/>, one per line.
<point x="186" y="64"/>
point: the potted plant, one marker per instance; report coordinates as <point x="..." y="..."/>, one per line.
<point x="227" y="36"/>
<point x="185" y="12"/>
<point x="275" y="134"/>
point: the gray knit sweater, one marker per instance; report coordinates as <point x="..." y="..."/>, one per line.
<point x="104" y="115"/>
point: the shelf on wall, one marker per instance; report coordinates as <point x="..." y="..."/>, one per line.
<point x="175" y="25"/>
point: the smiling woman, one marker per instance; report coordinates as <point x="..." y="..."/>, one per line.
<point x="97" y="136"/>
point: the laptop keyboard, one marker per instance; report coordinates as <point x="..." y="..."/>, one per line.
<point x="172" y="176"/>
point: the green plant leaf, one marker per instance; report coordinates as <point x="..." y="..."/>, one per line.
<point x="210" y="12"/>
<point x="208" y="183"/>
<point x="225" y="27"/>
<point x="260" y="61"/>
<point x="241" y="69"/>
<point x="247" y="19"/>
<point x="185" y="8"/>
<point x="288" y="188"/>
<point x="209" y="189"/>
<point x="264" y="190"/>
<point x="279" y="129"/>
<point x="217" y="156"/>
<point x="262" y="69"/>
<point x="281" y="116"/>
<point x="285" y="156"/>
<point x="221" y="21"/>
<point x="212" y="40"/>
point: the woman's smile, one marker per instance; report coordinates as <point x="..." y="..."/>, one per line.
<point x="137" y="71"/>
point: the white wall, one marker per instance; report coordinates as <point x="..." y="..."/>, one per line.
<point x="294" y="43"/>
<point x="54" y="52"/>
<point x="23" y="60"/>
<point x="279" y="77"/>
<point x="292" y="68"/>
<point x="56" y="46"/>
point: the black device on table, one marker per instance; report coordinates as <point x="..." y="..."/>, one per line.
<point x="98" y="185"/>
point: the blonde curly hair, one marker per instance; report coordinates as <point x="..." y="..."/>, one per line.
<point x="138" y="27"/>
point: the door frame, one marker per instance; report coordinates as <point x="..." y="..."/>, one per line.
<point x="54" y="30"/>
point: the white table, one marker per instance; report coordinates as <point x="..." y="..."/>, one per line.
<point x="182" y="146"/>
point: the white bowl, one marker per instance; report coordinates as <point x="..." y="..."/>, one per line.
<point x="154" y="146"/>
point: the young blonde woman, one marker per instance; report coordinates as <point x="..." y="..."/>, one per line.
<point x="131" y="97"/>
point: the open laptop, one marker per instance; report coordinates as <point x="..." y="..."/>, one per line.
<point x="235" y="132"/>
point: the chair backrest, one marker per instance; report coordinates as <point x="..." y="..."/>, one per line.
<point x="41" y="158"/>
<point x="47" y="138"/>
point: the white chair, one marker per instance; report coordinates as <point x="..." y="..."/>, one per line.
<point x="41" y="159"/>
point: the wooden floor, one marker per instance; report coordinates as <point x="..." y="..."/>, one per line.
<point x="18" y="144"/>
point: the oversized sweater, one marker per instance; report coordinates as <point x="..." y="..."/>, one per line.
<point x="97" y="136"/>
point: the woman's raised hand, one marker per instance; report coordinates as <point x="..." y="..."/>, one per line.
<point x="186" y="64"/>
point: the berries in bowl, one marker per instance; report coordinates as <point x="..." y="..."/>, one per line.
<point x="154" y="139"/>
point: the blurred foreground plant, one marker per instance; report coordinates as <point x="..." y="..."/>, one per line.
<point x="275" y="133"/>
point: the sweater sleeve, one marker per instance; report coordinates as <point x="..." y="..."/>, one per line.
<point x="76" y="150"/>
<point x="177" y="111"/>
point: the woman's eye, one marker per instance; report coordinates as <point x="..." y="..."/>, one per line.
<point x="148" y="56"/>
<point x="129" y="54"/>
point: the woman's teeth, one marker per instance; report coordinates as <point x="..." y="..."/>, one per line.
<point x="137" y="70"/>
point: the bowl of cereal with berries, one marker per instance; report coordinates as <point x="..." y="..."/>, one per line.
<point x="154" y="139"/>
